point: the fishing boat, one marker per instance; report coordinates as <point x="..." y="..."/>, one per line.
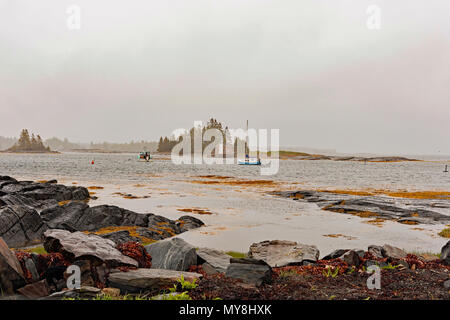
<point x="144" y="156"/>
<point x="248" y="160"/>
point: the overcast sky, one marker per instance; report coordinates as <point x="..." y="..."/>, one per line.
<point x="312" y="68"/>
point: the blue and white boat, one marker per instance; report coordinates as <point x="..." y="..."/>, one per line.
<point x="250" y="161"/>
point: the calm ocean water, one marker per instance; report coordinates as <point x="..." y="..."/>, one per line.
<point x="124" y="168"/>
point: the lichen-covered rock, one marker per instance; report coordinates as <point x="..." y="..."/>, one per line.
<point x="187" y="223"/>
<point x="78" y="245"/>
<point x="139" y="234"/>
<point x="119" y="237"/>
<point x="78" y="216"/>
<point x="280" y="253"/>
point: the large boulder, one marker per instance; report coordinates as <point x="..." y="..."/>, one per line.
<point x="280" y="253"/>
<point x="445" y="253"/>
<point x="392" y="252"/>
<point x="250" y="271"/>
<point x="139" y="280"/>
<point x="173" y="254"/>
<point x="11" y="274"/>
<point x="218" y="260"/>
<point x="376" y="251"/>
<point x="350" y="257"/>
<point x="335" y="254"/>
<point x="78" y="246"/>
<point x="20" y="225"/>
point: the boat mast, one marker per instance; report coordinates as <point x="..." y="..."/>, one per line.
<point x="246" y="146"/>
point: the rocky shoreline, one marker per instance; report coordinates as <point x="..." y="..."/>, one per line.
<point x="123" y="255"/>
<point x="294" y="155"/>
<point x="172" y="269"/>
<point x="28" y="209"/>
<point x="406" y="211"/>
<point x="352" y="158"/>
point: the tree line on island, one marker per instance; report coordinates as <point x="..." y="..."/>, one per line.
<point x="34" y="143"/>
<point x="27" y="143"/>
<point x="31" y="142"/>
<point x="166" y="144"/>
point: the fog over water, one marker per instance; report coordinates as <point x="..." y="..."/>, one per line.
<point x="138" y="70"/>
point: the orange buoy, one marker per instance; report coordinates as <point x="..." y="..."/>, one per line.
<point x="92" y="162"/>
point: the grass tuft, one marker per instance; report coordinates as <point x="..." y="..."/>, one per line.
<point x="236" y="254"/>
<point x="445" y="233"/>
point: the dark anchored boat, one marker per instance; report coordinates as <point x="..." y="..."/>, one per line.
<point x="144" y="156"/>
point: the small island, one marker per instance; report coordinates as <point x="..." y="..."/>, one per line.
<point x="29" y="144"/>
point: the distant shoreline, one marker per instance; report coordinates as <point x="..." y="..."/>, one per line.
<point x="283" y="155"/>
<point x="30" y="152"/>
<point x="97" y="151"/>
